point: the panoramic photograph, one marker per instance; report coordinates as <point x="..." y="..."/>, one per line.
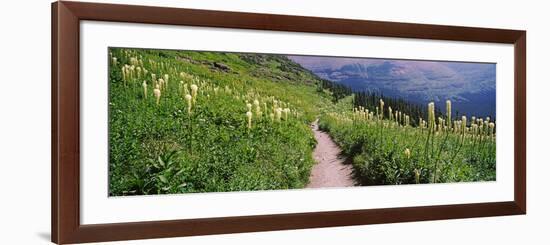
<point x="202" y="121"/>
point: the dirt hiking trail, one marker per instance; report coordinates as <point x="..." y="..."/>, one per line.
<point x="330" y="170"/>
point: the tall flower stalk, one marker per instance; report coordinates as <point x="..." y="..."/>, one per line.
<point x="144" y="85"/>
<point x="431" y="129"/>
<point x="156" y="92"/>
<point x="249" y="119"/>
<point x="449" y="112"/>
<point x="188" y="99"/>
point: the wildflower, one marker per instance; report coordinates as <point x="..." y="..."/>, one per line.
<point x="448" y="105"/>
<point x="431" y="115"/>
<point x="417" y="175"/>
<point x="249" y="107"/>
<point x="390" y="113"/>
<point x="249" y="117"/>
<point x="275" y="105"/>
<point x="188" y="98"/>
<point x="166" y="77"/>
<point x="134" y="61"/>
<point x="278" y="114"/>
<point x="408" y="153"/>
<point x="381" y="109"/>
<point x="396" y="117"/>
<point x="138" y="72"/>
<point x="271" y="116"/>
<point x="286" y="110"/>
<point x="161" y="83"/>
<point x="257" y="106"/>
<point x="123" y="73"/>
<point x="194" y="89"/>
<point x="114" y="60"/>
<point x="185" y="89"/>
<point x="157" y="93"/>
<point x="400" y="117"/>
<point x="144" y="89"/>
<point x="464" y="122"/>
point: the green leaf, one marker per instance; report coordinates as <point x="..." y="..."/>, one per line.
<point x="163" y="179"/>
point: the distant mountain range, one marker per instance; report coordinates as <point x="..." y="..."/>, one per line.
<point x="470" y="86"/>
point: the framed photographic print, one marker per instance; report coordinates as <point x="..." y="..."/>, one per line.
<point x="177" y="122"/>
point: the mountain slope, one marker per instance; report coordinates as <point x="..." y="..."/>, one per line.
<point x="471" y="86"/>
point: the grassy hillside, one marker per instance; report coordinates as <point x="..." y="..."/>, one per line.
<point x="187" y="121"/>
<point x="206" y="144"/>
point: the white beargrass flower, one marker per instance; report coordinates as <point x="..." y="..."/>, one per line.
<point x="491" y="129"/>
<point x="166" y="78"/>
<point x="194" y="90"/>
<point x="249" y="117"/>
<point x="185" y="89"/>
<point x="408" y="153"/>
<point x="278" y="114"/>
<point x="271" y="116"/>
<point x="464" y="123"/>
<point x="144" y="84"/>
<point x="188" y="98"/>
<point x="286" y="110"/>
<point x="180" y="87"/>
<point x="248" y="107"/>
<point x="431" y="115"/>
<point x="124" y="73"/>
<point x="156" y="92"/>
<point x="161" y="83"/>
<point x="257" y="107"/>
<point x="448" y="106"/>
<point x="397" y="117"/>
<point x="138" y="72"/>
<point x="417" y="175"/>
<point x="381" y="115"/>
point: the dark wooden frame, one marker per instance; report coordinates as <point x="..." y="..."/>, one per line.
<point x="65" y="181"/>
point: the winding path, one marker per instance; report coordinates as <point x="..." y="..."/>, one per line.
<point x="330" y="170"/>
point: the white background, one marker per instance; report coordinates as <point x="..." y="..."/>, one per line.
<point x="25" y="122"/>
<point x="97" y="208"/>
